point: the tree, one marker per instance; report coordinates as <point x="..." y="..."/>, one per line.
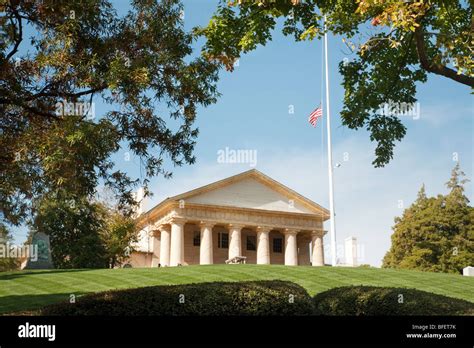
<point x="73" y="226"/>
<point x="119" y="234"/>
<point x="84" y="233"/>
<point x="396" y="44"/>
<point x="7" y="263"/>
<point x="436" y="233"/>
<point x="139" y="64"/>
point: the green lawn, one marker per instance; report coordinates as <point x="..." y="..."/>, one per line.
<point x="24" y="290"/>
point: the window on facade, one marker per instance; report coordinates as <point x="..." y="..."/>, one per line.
<point x="251" y="243"/>
<point x="197" y="238"/>
<point x="223" y="240"/>
<point x="277" y="245"/>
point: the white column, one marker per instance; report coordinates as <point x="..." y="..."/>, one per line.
<point x="205" y="250"/>
<point x="317" y="249"/>
<point x="155" y="247"/>
<point x="263" y="246"/>
<point x="235" y="244"/>
<point x="177" y="242"/>
<point x="165" y="245"/>
<point x="291" y="250"/>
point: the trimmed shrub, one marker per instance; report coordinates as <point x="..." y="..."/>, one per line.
<point x="370" y="300"/>
<point x="204" y="299"/>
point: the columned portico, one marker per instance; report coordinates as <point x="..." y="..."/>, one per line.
<point x="317" y="248"/>
<point x="263" y="245"/>
<point x="235" y="244"/>
<point x="177" y="242"/>
<point x="291" y="251"/>
<point x="245" y="216"/>
<point x="205" y="252"/>
<point x="165" y="245"/>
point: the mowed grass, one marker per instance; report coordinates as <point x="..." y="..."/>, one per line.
<point x="27" y="290"/>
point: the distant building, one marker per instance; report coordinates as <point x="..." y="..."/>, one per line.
<point x="350" y="251"/>
<point x="248" y="216"/>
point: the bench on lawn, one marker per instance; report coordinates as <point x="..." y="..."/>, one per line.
<point x="236" y="259"/>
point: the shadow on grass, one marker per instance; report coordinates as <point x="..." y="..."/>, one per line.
<point x="19" y="274"/>
<point x="29" y="304"/>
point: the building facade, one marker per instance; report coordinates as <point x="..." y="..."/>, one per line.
<point x="249" y="216"/>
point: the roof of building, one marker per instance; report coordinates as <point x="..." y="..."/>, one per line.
<point x="309" y="205"/>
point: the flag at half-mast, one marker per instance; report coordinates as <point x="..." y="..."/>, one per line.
<point x="315" y="115"/>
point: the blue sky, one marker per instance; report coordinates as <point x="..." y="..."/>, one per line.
<point x="253" y="113"/>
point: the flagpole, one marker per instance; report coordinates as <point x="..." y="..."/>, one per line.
<point x="331" y="185"/>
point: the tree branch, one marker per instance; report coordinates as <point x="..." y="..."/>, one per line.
<point x="67" y="94"/>
<point x="18" y="39"/>
<point x="436" y="68"/>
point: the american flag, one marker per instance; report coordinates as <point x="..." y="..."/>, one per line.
<point x="313" y="117"/>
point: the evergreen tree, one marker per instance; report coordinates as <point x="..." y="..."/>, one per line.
<point x="435" y="233"/>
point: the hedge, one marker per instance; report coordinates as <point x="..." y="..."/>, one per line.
<point x="204" y="299"/>
<point x="370" y="300"/>
<point x="260" y="298"/>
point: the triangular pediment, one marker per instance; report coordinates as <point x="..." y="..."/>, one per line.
<point x="251" y="190"/>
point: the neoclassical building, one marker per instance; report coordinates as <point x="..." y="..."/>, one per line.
<point x="248" y="215"/>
